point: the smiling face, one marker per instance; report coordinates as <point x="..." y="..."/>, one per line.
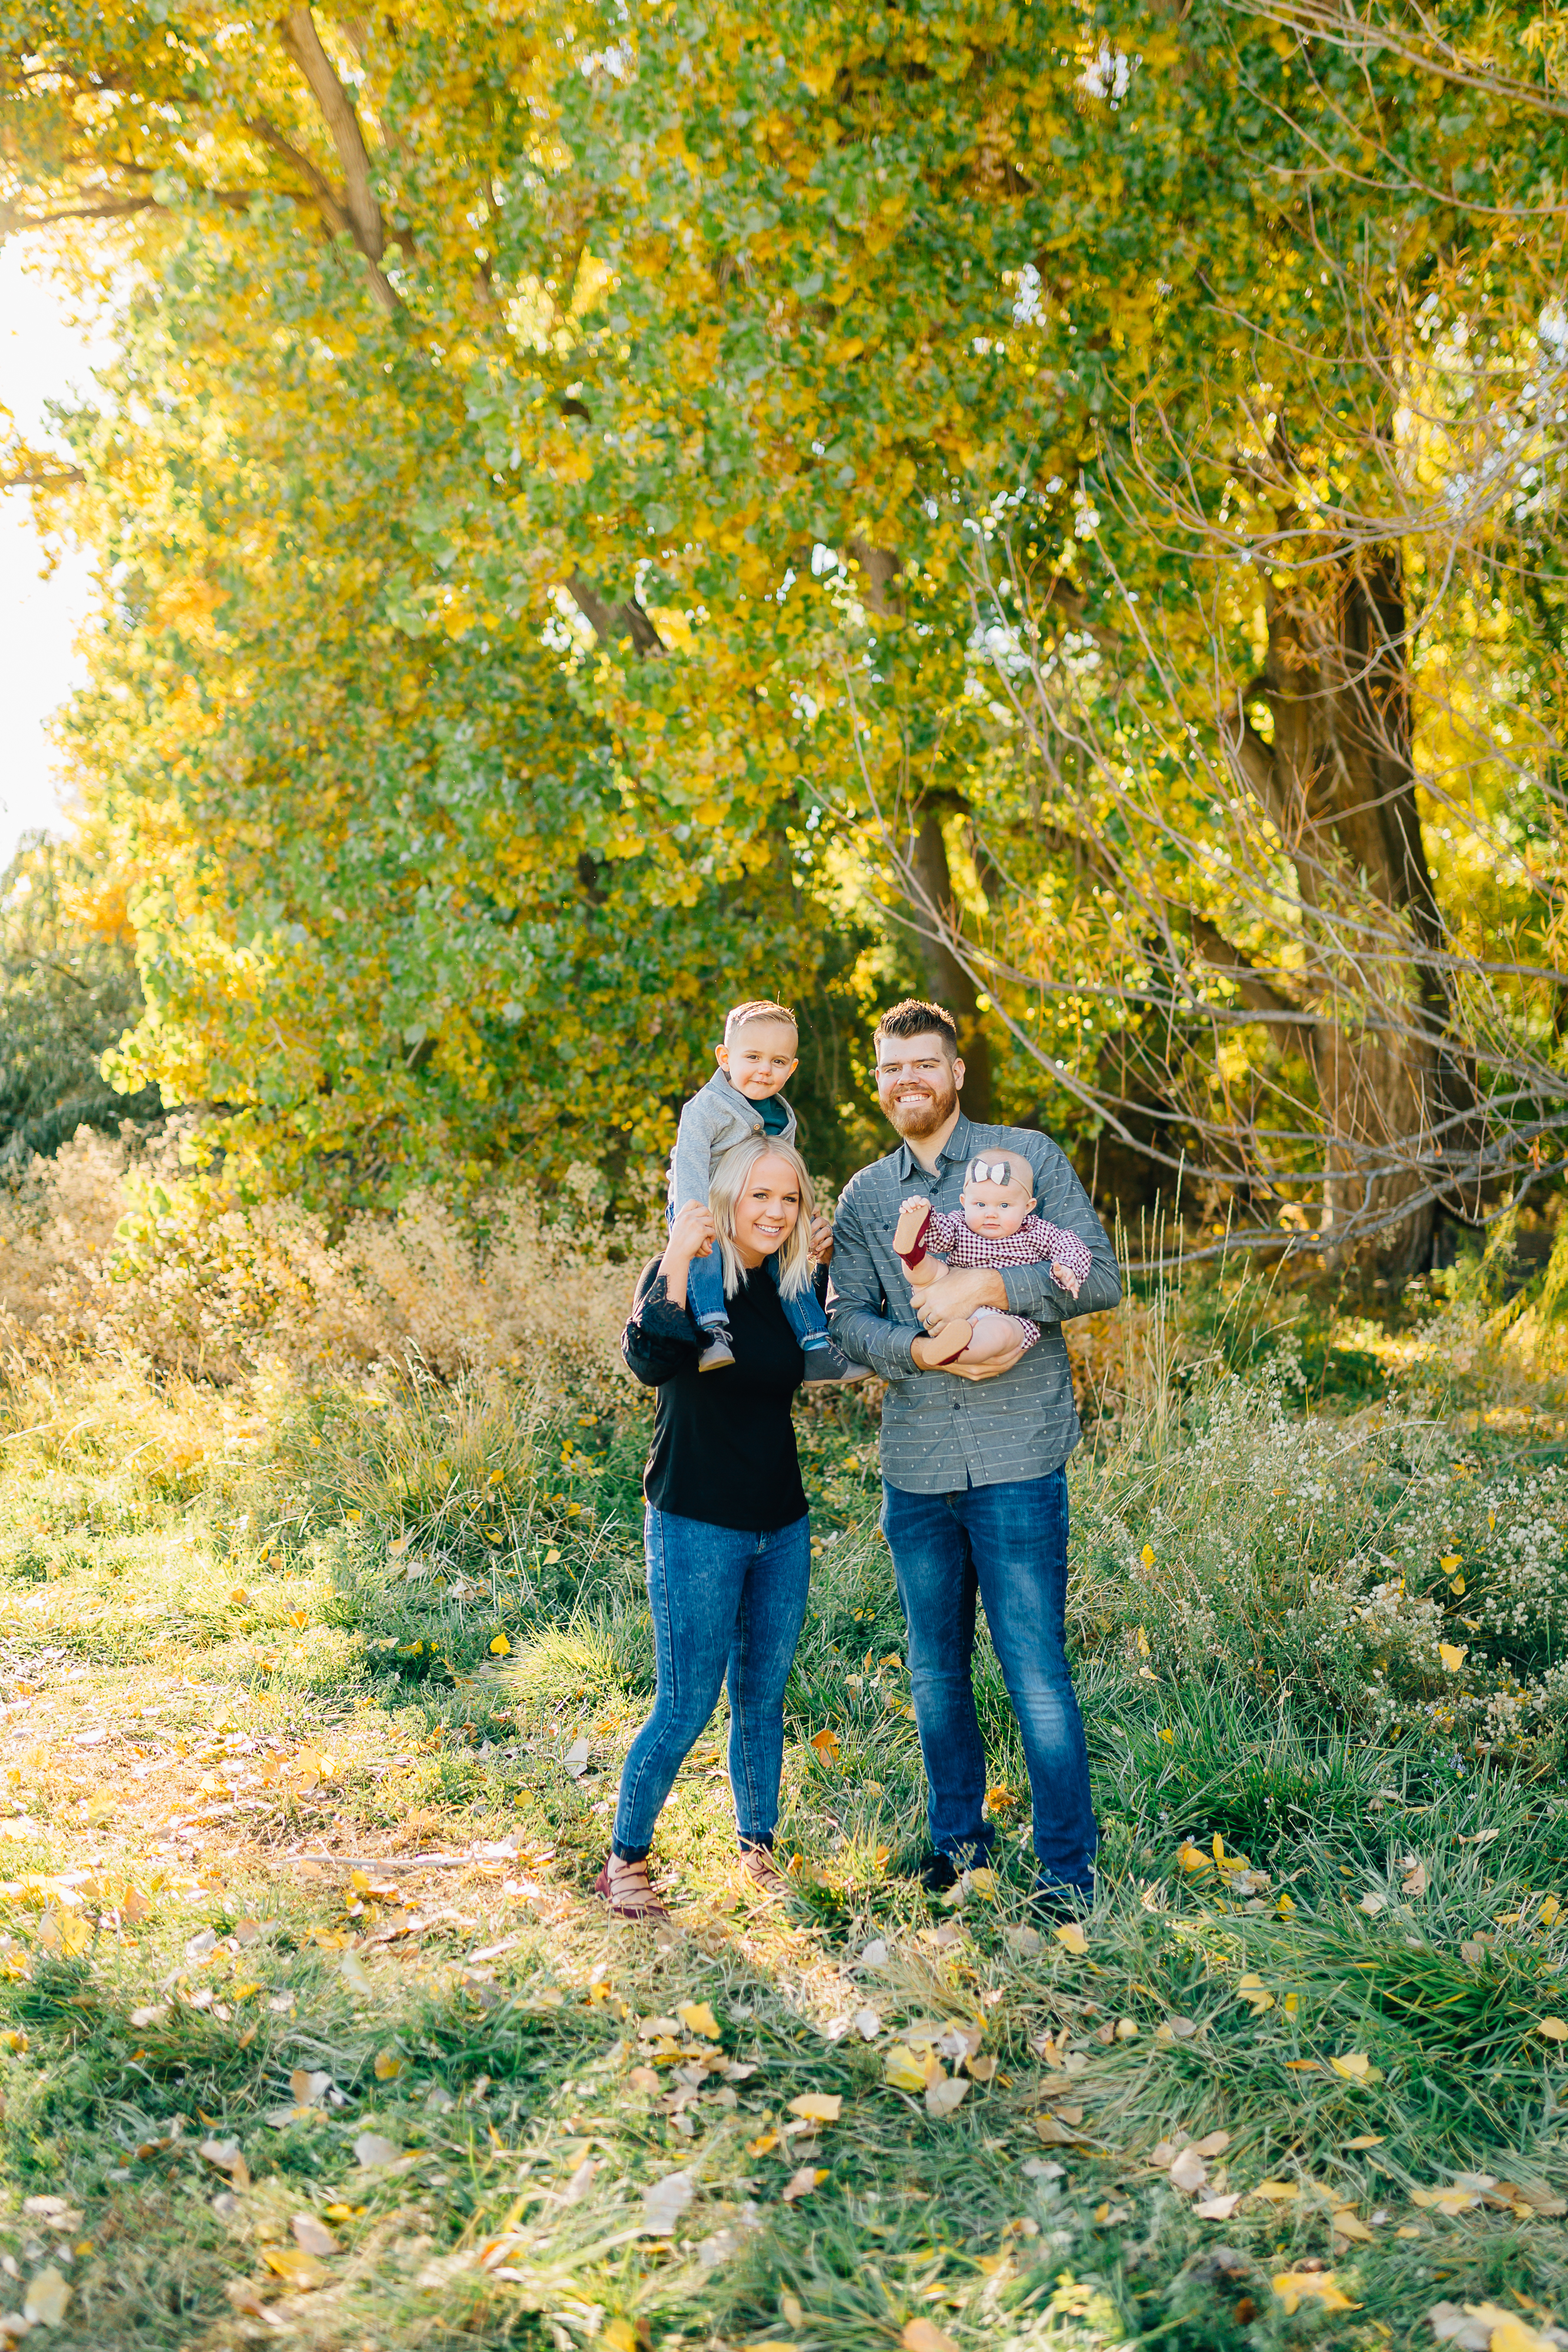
<point x="767" y="1210"/>
<point x="917" y="1083"/>
<point x="998" y="1194"/>
<point x="759" y="1058"/>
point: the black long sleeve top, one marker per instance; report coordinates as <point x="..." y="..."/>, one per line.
<point x="724" y="1442"/>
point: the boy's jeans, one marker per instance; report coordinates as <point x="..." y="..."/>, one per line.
<point x="725" y="1604"/>
<point x="1009" y="1544"/>
<point x="704" y="1294"/>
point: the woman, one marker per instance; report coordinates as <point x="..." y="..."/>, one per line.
<point x="729" y="1542"/>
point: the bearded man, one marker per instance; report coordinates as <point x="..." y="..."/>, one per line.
<point x="974" y="1488"/>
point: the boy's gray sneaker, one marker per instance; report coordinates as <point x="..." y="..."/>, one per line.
<point x="719" y="1351"/>
<point x="831" y="1363"/>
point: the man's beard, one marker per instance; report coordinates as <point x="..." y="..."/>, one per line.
<point x="918" y="1118"/>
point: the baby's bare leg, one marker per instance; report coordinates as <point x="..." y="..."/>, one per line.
<point x="996" y="1334"/>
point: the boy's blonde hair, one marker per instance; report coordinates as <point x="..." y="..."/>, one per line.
<point x="760" y="1008"/>
<point x="731" y="1174"/>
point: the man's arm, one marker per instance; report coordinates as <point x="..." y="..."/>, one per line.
<point x="855" y="1316"/>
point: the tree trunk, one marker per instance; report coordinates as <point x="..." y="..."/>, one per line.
<point x="945" y="978"/>
<point x="1339" y="784"/>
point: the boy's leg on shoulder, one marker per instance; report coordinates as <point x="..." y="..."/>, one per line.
<point x="704" y="1288"/>
<point x="936" y="1578"/>
<point x="1017" y="1530"/>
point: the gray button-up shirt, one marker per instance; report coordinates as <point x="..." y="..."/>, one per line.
<point x="940" y="1433"/>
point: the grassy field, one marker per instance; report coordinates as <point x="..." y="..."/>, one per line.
<point x="313" y="1703"/>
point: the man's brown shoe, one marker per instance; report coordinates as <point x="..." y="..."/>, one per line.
<point x="624" y="1886"/>
<point x="759" y="1866"/>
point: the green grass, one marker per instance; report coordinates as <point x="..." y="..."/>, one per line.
<point x="226" y="1696"/>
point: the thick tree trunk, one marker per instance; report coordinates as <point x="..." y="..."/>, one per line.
<point x="1338" y="780"/>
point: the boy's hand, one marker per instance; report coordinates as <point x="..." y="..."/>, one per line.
<point x="691" y="1235"/>
<point x="821" y="1240"/>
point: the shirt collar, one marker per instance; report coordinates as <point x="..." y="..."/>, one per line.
<point x="958" y="1147"/>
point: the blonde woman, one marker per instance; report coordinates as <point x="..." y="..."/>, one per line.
<point x="728" y="1540"/>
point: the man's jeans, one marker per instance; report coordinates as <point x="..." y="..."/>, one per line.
<point x="724" y="1604"/>
<point x="1008" y="1543"/>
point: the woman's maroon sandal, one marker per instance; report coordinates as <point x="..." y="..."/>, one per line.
<point x="625" y="1887"/>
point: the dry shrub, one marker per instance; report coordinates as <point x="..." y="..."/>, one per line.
<point x="111" y="1248"/>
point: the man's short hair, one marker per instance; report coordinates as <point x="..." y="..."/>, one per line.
<point x="759" y="1009"/>
<point x="913" y="1017"/>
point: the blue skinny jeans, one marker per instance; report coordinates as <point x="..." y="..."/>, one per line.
<point x="725" y="1604"/>
<point x="1008" y="1544"/>
<point x="705" y="1296"/>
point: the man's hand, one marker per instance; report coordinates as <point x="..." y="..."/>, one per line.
<point x="821" y="1240"/>
<point x="954" y="1295"/>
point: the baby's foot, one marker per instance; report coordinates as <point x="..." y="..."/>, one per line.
<point x="913" y="1220"/>
<point x="936" y="1349"/>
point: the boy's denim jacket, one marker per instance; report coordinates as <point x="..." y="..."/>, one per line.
<point x="716" y="1117"/>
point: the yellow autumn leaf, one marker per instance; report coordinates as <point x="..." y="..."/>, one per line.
<point x="389" y="2065"/>
<point x="1072" y="1939"/>
<point x="817" y="2106"/>
<point x="1553" y="2028"/>
<point x="826" y="1743"/>
<point x="1449" y="1561"/>
<point x="295" y="2267"/>
<point x="1192" y="1857"/>
<point x="1168" y="1736"/>
<point x="699" y="2018"/>
<point x="1147" y="1554"/>
<point x="299" y="1617"/>
<point x="903" y="2070"/>
<point x="1276" y="2192"/>
<point x="1551" y="1910"/>
<point x="500" y="1647"/>
<point x="924" y="2336"/>
<point x="1293" y="2287"/>
<point x="1353" y="2065"/>
<point x="618" y="2335"/>
<point x="1453" y="1655"/>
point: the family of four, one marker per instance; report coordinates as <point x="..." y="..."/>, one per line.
<point x="954" y="1262"/>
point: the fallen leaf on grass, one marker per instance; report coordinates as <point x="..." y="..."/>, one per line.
<point x="903" y="2070"/>
<point x="943" y="2093"/>
<point x="1189" y="2171"/>
<point x="924" y="2335"/>
<point x="1251" y="1990"/>
<point x="1292" y="2287"/>
<point x="575" y="1759"/>
<point x="353" y="1972"/>
<point x="224" y="2157"/>
<point x="867" y="2024"/>
<point x="664" y="2202"/>
<point x="1218" y="2209"/>
<point x="47" y="2295"/>
<point x="500" y="1647"/>
<point x="1371" y="1902"/>
<point x="313" y="2237"/>
<point x="1072" y="1939"/>
<point x="1553" y="2029"/>
<point x="817" y="2106"/>
<point x="295" y="2267"/>
<point x="1353" y="2064"/>
<point x="1414" y="1882"/>
<point x="1275" y="2192"/>
<point x="1453" y="1655"/>
<point x="1551" y="1911"/>
<point x="1485" y="2327"/>
<point x="697" y="2017"/>
<point x="1446" y="2200"/>
<point x="1347" y="2224"/>
<point x="372" y="2151"/>
<point x="389" y="2065"/>
<point x="1024" y="1941"/>
<point x="801" y="2183"/>
<point x="826" y="1743"/>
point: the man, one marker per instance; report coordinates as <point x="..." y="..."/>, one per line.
<point x="973" y="1490"/>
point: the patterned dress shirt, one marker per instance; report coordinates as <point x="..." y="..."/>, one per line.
<point x="941" y="1433"/>
<point x="1034" y="1243"/>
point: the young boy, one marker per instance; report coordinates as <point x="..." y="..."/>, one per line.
<point x="744" y="1097"/>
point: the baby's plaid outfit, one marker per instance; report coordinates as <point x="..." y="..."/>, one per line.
<point x="1036" y="1243"/>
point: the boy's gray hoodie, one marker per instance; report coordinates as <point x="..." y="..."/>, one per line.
<point x="716" y="1117"/>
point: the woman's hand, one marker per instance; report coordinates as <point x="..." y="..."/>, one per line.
<point x="691" y="1235"/>
<point x="821" y="1240"/>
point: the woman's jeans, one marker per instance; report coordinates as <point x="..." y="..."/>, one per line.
<point x="725" y="1603"/>
<point x="1008" y="1543"/>
<point x="704" y="1294"/>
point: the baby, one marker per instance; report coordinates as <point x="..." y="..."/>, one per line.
<point x="744" y="1097"/>
<point x="998" y="1228"/>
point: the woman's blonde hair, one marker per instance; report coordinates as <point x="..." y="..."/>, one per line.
<point x="731" y="1175"/>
